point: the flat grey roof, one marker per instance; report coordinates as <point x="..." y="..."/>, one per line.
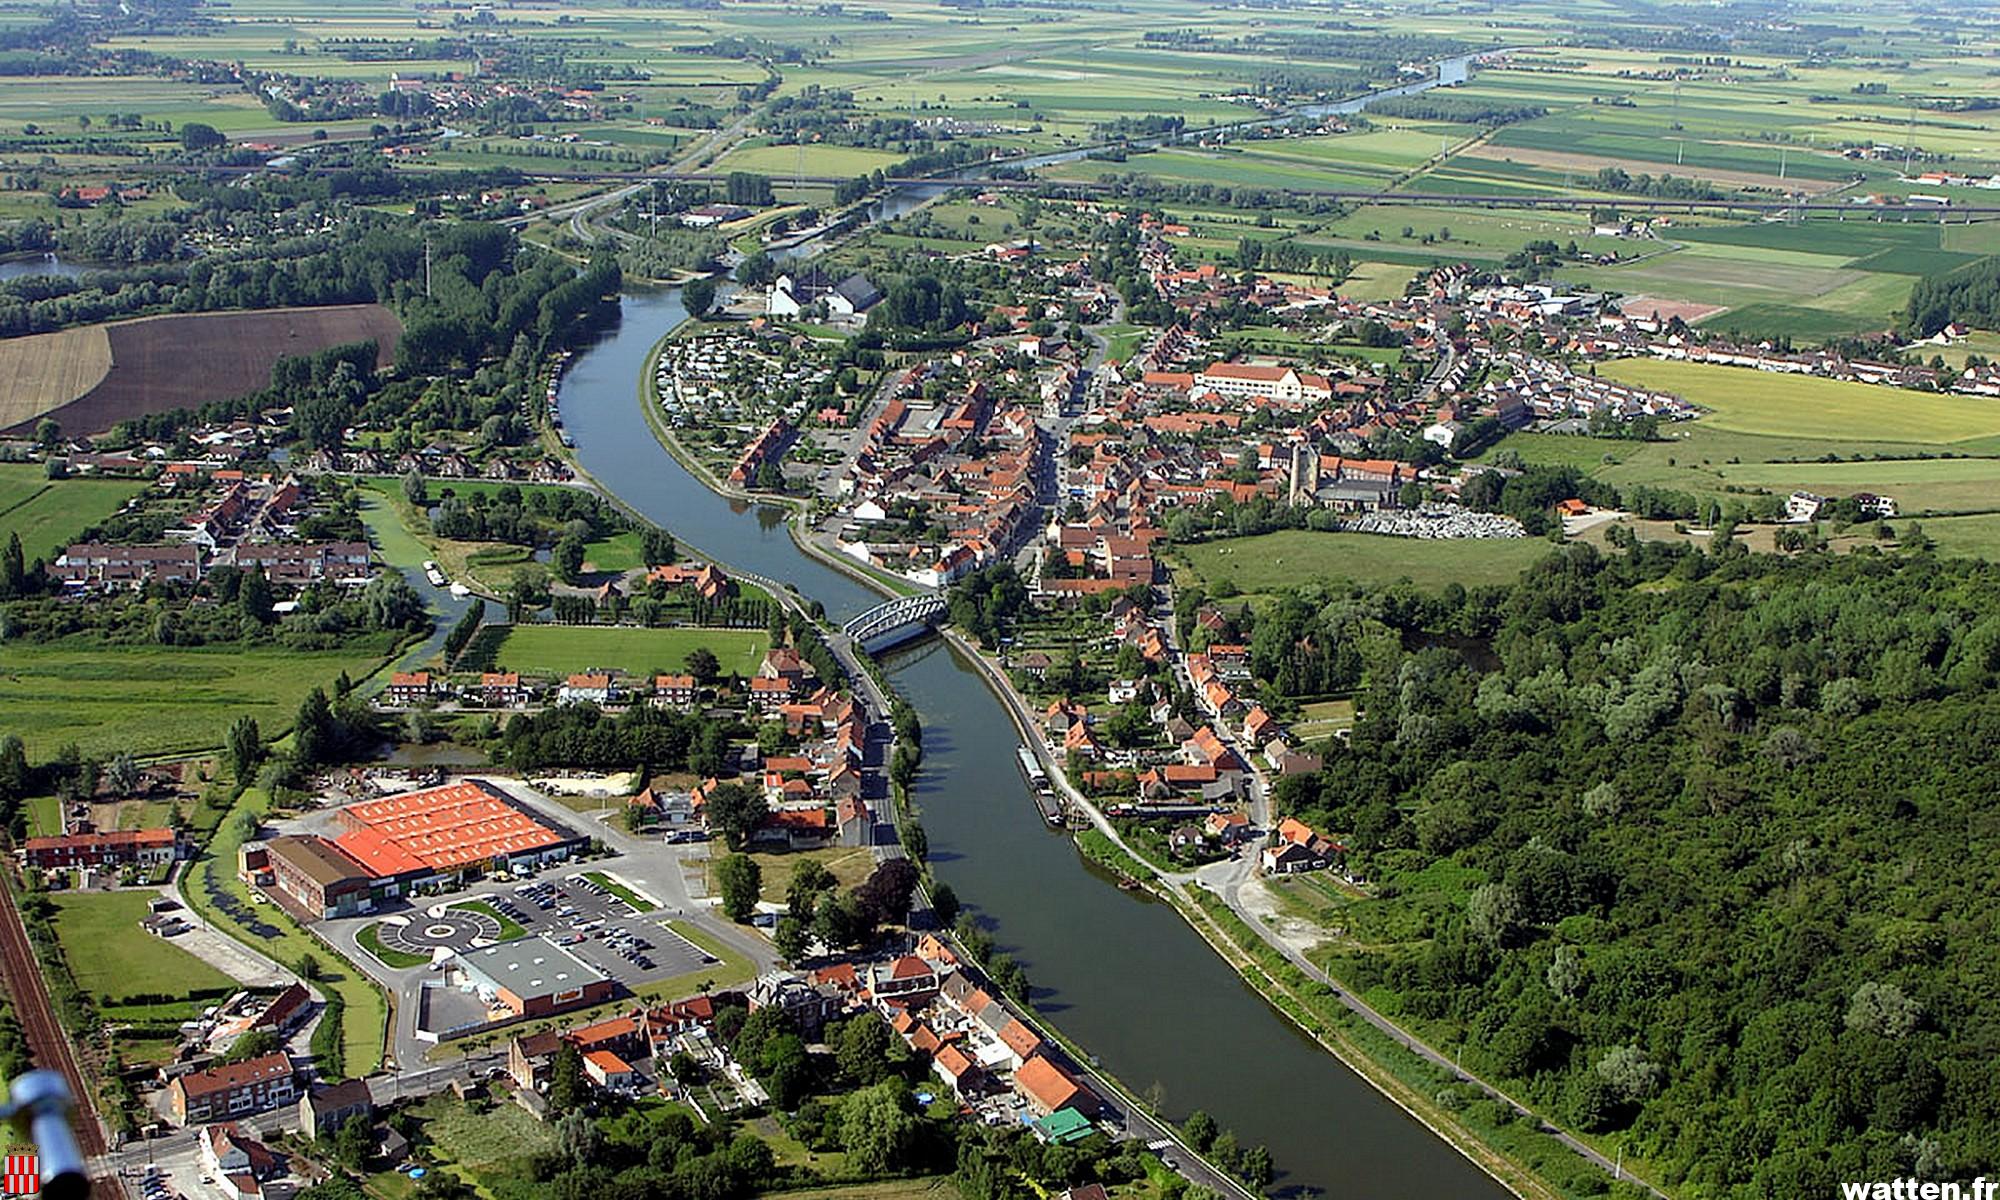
<point x="529" y="966"/>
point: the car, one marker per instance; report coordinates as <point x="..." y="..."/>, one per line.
<point x="643" y="963"/>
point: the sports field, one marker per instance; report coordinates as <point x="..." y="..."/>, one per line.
<point x="49" y="514"/>
<point x="1274" y="561"/>
<point x="111" y="957"/>
<point x="154" y="699"/>
<point x="548" y="650"/>
<point x="1760" y="402"/>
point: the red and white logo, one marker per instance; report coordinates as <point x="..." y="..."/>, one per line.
<point x="24" y="1178"/>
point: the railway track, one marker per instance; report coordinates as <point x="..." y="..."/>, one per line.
<point x="51" y="1046"/>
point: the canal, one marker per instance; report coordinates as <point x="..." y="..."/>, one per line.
<point x="1120" y="973"/>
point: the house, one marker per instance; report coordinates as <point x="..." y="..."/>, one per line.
<point x="531" y="1058"/>
<point x="238" y="1162"/>
<point x="907" y="980"/>
<point x="1228" y="828"/>
<point x="609" y="1071"/>
<point x="411" y="687"/>
<point x="115" y="848"/>
<point x="1050" y="1088"/>
<point x="589" y="688"/>
<point x="501" y="689"/>
<point x="327" y="1106"/>
<point x="852" y="296"/>
<point x="286" y="1011"/>
<point x="1291" y="858"/>
<point x="770" y="695"/>
<point x="675" y="691"/>
<point x="956" y="1071"/>
<point x="234" y="1090"/>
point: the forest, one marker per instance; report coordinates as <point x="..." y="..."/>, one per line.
<point x="1694" y="849"/>
<point x="1970" y="294"/>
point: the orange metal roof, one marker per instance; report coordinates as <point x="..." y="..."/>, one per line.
<point x="442" y="829"/>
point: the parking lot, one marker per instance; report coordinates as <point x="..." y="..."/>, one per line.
<point x="634" y="948"/>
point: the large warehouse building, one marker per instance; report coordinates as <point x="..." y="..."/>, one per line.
<point x="531" y="977"/>
<point x="388" y="846"/>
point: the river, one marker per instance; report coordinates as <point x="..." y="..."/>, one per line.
<point x="1120" y="973"/>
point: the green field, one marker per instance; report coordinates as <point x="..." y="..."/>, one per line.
<point x="1961" y="485"/>
<point x="155" y="699"/>
<point x="565" y="649"/>
<point x="1273" y="561"/>
<point x="1761" y="402"/>
<point x="49" y="515"/>
<point x="111" y="957"/>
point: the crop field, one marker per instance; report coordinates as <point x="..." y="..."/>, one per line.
<point x="44" y="371"/>
<point x="557" y="650"/>
<point x="49" y="514"/>
<point x="1761" y="402"/>
<point x="154" y="699"/>
<point x="159" y="364"/>
<point x="1273" y="561"/>
<point x="112" y="957"/>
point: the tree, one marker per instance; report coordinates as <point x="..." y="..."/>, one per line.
<point x="122" y="774"/>
<point x="254" y="597"/>
<point x="415" y="490"/>
<point x="698" y="296"/>
<point x="353" y="1142"/>
<point x="1883" y="1010"/>
<point x="791" y="938"/>
<point x="568" y="1089"/>
<point x="809" y="878"/>
<point x="864" y="1048"/>
<point x="877" y="1129"/>
<point x="13" y="568"/>
<point x="197" y="136"/>
<point x="840" y="922"/>
<point x="1199" y="1128"/>
<point x="313" y="730"/>
<point x="740" y="881"/>
<point x="702" y="664"/>
<point x="885" y="894"/>
<point x="49" y="435"/>
<point x="944" y="905"/>
<point x="1493" y="914"/>
<point x="566" y="560"/>
<point x="735" y="811"/>
<point x="245" y="748"/>
<point x="657" y="546"/>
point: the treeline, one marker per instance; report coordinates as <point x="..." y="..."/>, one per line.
<point x="580" y="735"/>
<point x="1644" y="829"/>
<point x="1968" y="295"/>
<point x="1465" y="110"/>
<point x="1664" y="187"/>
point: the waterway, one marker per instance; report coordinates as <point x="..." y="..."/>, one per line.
<point x="42" y="264"/>
<point x="1120" y="973"/>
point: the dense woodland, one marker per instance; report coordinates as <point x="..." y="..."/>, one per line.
<point x="1970" y="294"/>
<point x="1695" y="846"/>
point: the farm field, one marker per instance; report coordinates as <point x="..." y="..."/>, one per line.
<point x="49" y="514"/>
<point x="185" y="360"/>
<point x="1974" y="537"/>
<point x="44" y="371"/>
<point x="1273" y="561"/>
<point x="154" y="699"/>
<point x="565" y="649"/>
<point x="111" y="957"/>
<point x="1762" y="402"/>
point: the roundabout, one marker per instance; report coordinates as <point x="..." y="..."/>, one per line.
<point x="440" y="928"/>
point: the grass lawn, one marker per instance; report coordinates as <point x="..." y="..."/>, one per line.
<point x="509" y="929"/>
<point x="44" y="816"/>
<point x="484" y="1146"/>
<point x="849" y="865"/>
<point x="112" y="957"/>
<point x="637" y="902"/>
<point x="366" y="1020"/>
<point x="1760" y="402"/>
<point x="1976" y="537"/>
<point x="1322" y="718"/>
<point x="370" y="938"/>
<point x="1919" y="486"/>
<point x="1274" y="561"/>
<point x="155" y="699"/>
<point x="619" y="552"/>
<point x="47" y="515"/>
<point x="563" y="649"/>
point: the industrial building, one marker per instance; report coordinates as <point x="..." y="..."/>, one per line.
<point x="531" y="977"/>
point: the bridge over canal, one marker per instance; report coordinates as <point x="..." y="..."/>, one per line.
<point x="894" y="622"/>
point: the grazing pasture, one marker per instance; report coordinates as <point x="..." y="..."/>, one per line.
<point x="48" y="514"/>
<point x="1273" y="561"/>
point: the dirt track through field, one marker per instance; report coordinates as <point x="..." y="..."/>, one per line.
<point x="46" y="1039"/>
